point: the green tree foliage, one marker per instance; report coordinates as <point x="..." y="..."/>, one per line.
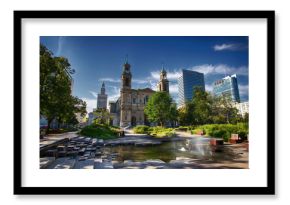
<point x="224" y="130"/>
<point x="185" y="114"/>
<point x="173" y="113"/>
<point x="160" y="108"/>
<point x="102" y="116"/>
<point x="224" y="111"/>
<point x="201" y="103"/>
<point x="56" y="100"/>
<point x="205" y="108"/>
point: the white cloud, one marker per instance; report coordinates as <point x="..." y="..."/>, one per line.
<point x="114" y="80"/>
<point x="139" y="81"/>
<point x="111" y="80"/>
<point x="173" y="88"/>
<point x="205" y="69"/>
<point x="60" y="45"/>
<point x="208" y="87"/>
<point x="113" y="93"/>
<point x="91" y="103"/>
<point x="208" y="69"/>
<point x="230" y="47"/>
<point x="94" y="94"/>
<point x="171" y="75"/>
<point x="153" y="84"/>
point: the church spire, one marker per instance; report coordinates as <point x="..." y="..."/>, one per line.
<point x="163" y="73"/>
<point x="126" y="59"/>
<point x="163" y="84"/>
<point x="163" y="70"/>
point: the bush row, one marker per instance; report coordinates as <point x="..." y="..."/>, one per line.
<point x="223" y="130"/>
<point x="154" y="131"/>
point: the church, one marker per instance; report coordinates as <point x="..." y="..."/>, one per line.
<point x="128" y="110"/>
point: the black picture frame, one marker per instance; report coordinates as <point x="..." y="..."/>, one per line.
<point x="268" y="190"/>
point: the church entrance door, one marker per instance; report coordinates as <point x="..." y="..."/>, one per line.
<point x="133" y="121"/>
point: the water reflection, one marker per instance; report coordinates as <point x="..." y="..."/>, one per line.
<point x="196" y="148"/>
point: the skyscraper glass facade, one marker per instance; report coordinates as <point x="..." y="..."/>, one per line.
<point x="227" y="87"/>
<point x="186" y="84"/>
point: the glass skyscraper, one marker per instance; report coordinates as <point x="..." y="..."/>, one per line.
<point x="227" y="87"/>
<point x="186" y="84"/>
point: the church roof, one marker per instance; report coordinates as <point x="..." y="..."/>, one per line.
<point x="144" y="90"/>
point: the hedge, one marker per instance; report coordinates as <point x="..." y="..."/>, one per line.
<point x="223" y="130"/>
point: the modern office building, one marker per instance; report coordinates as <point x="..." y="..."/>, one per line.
<point x="228" y="87"/>
<point x="243" y="108"/>
<point x="102" y="98"/>
<point x="186" y="84"/>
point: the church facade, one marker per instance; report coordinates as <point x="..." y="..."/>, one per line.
<point x="128" y="110"/>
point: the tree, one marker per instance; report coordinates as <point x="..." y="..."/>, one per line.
<point x="173" y="114"/>
<point x="159" y="108"/>
<point x="102" y="116"/>
<point x="224" y="111"/>
<point x="56" y="100"/>
<point x="201" y="103"/>
<point x="185" y="114"/>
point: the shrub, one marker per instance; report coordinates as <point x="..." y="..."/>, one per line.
<point x="141" y="129"/>
<point x="242" y="135"/>
<point x="183" y="128"/>
<point x="100" y="131"/>
<point x="223" y="130"/>
<point x="162" y="132"/>
<point x="154" y="131"/>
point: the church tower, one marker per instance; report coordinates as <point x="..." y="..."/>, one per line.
<point x="163" y="84"/>
<point x="126" y="104"/>
<point x="126" y="75"/>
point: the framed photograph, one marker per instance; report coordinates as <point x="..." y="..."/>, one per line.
<point x="144" y="102"/>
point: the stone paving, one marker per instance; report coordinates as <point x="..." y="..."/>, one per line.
<point x="52" y="138"/>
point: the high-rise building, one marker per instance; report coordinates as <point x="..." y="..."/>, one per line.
<point x="187" y="82"/>
<point x="163" y="84"/>
<point x="243" y="108"/>
<point x="228" y="87"/>
<point x="102" y="98"/>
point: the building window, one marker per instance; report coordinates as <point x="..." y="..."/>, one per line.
<point x="134" y="100"/>
<point x="146" y="99"/>
<point x="127" y="82"/>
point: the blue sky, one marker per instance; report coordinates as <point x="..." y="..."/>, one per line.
<point x="97" y="59"/>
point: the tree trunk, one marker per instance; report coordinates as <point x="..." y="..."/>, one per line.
<point x="48" y="125"/>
